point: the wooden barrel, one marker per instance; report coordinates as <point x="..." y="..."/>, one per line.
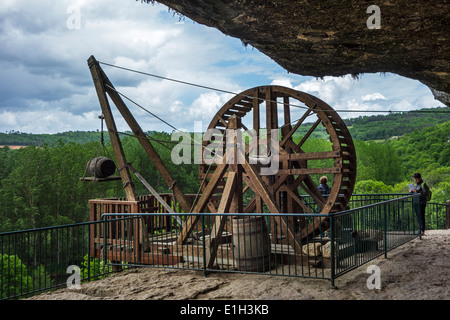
<point x="251" y="244"/>
<point x="101" y="167"/>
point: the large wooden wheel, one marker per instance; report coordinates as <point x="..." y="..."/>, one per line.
<point x="294" y="185"/>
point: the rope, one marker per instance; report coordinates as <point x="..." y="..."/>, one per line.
<point x="151" y="113"/>
<point x="262" y="99"/>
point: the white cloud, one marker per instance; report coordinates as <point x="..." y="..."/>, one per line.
<point x="46" y="85"/>
<point x="373" y="97"/>
<point x="51" y="71"/>
<point x="282" y="82"/>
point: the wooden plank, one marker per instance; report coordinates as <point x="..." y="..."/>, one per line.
<point x="211" y="207"/>
<point x="310" y="156"/>
<point x="251" y="206"/>
<point x="306" y="171"/>
<point x="147" y="258"/>
<point x="156" y="195"/>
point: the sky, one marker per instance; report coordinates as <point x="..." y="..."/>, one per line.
<point x="46" y="86"/>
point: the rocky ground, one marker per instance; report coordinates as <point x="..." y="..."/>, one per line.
<point x="419" y="269"/>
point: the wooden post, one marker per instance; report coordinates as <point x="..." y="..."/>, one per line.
<point x="143" y="140"/>
<point x="234" y="123"/>
<point x="447" y="215"/>
<point x="112" y="130"/>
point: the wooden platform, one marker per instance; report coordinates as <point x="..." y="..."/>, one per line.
<point x="164" y="251"/>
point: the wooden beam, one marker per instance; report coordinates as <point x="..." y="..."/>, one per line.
<point x="295" y="198"/>
<point x="268" y="199"/>
<point x="97" y="76"/>
<point x="310" y="131"/>
<point x="299" y="122"/>
<point x="148" y="147"/>
<point x="220" y="221"/>
<point x="310" y="156"/>
<point x="156" y="195"/>
<point x="305" y="171"/>
<point x="202" y="201"/>
<point x="286" y="128"/>
<point x="234" y="123"/>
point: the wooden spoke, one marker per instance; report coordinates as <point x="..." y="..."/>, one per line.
<point x="308" y="134"/>
<point x="296" y="198"/>
<point x="297" y="125"/>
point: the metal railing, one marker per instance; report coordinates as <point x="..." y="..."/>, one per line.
<point x="266" y="243"/>
<point x="365" y="233"/>
<point x="32" y="261"/>
<point x="36" y="260"/>
<point x="245" y="243"/>
<point x="435" y="213"/>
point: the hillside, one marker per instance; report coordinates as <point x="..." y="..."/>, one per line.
<point x="379" y="127"/>
<point x="28" y="139"/>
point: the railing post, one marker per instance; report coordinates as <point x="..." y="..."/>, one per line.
<point x="332" y="251"/>
<point x="385" y="232"/>
<point x="89" y="227"/>
<point x="203" y="246"/>
<point x="447" y="215"/>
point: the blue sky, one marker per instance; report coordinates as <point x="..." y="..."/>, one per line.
<point x="46" y="87"/>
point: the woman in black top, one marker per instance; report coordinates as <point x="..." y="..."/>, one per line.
<point x="420" y="203"/>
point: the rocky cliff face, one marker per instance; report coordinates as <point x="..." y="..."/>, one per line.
<point x="329" y="37"/>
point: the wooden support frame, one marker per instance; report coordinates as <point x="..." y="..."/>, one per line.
<point x="103" y="86"/>
<point x="97" y="77"/>
<point x="280" y="191"/>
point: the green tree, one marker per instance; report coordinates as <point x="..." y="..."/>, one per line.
<point x="378" y="162"/>
<point x="14" y="278"/>
<point x="371" y="186"/>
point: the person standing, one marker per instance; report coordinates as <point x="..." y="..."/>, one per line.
<point x="420" y="203"/>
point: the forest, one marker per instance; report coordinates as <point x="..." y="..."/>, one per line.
<point x="40" y="185"/>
